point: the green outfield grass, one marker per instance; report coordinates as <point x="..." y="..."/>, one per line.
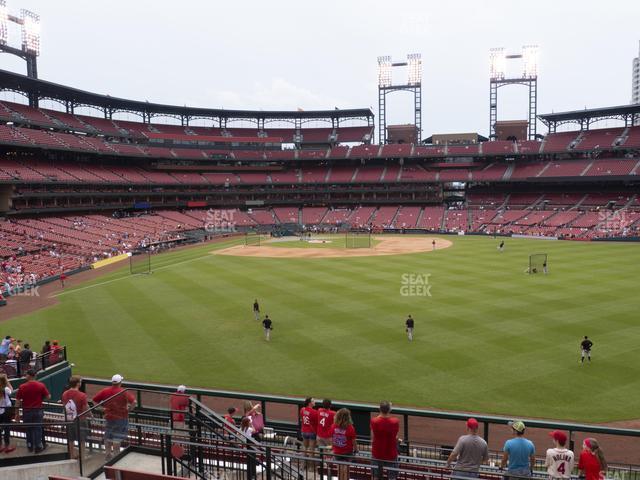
<point x="489" y="338"/>
<point x="332" y="241"/>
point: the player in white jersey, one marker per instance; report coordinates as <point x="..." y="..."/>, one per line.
<point x="559" y="460"/>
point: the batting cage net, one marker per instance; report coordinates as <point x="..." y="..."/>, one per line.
<point x="538" y="263"/>
<point x="140" y="262"/>
<point x="357" y="239"/>
<point x="252" y="239"/>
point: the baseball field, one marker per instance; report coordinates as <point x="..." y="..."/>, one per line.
<point x="489" y="337"/>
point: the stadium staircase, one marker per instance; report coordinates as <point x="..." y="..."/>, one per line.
<point x="635" y="169"/>
<point x="395" y="216"/>
<point x="420" y="215"/>
<point x="579" y="203"/>
<point x="544" y="169"/>
<point x="622" y="138"/>
<point x="542" y="145"/>
<point x="586" y="169"/>
<point x="508" y="172"/>
<point x="576" y="142"/>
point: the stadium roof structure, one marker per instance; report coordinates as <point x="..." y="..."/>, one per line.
<point x="36" y="89"/>
<point x="627" y="113"/>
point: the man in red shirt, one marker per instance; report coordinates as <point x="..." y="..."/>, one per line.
<point x="325" y="421"/>
<point x="117" y="404"/>
<point x="384" y="442"/>
<point x="75" y="403"/>
<point x="30" y="396"/>
<point x="308" y="425"/>
<point x="178" y="403"/>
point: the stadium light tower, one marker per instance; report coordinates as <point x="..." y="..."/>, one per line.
<point x="29" y="49"/>
<point x="498" y="78"/>
<point x="30" y="32"/>
<point x="4" y="23"/>
<point x="385" y="86"/>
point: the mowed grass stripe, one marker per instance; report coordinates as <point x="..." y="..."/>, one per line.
<point x="490" y="338"/>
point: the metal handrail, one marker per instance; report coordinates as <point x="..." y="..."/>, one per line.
<point x="399" y="411"/>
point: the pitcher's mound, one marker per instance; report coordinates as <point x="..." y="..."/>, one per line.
<point x="385" y="246"/>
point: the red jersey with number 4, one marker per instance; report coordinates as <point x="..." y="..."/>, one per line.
<point x="325" y="422"/>
<point x="342" y="439"/>
<point x="385" y="438"/>
<point x="309" y="419"/>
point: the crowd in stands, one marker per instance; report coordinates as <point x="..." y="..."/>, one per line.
<point x="321" y="428"/>
<point x="36" y="249"/>
<point x="33" y="249"/>
<point x="16" y="356"/>
<point x="327" y="429"/>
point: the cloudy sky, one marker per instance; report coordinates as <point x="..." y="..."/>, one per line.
<point x="322" y="54"/>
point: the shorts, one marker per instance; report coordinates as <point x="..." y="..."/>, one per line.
<point x="116" y="430"/>
<point x="518" y="473"/>
<point x="465" y="474"/>
<point x="324" y="442"/>
<point x="308" y="435"/>
<point x="73" y="431"/>
<point x="379" y="466"/>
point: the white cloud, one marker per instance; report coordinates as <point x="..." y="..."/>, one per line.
<point x="277" y="94"/>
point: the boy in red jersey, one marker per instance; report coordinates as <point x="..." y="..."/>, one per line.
<point x="308" y="425"/>
<point x="325" y="421"/>
<point x="75" y="403"/>
<point x="384" y="442"/>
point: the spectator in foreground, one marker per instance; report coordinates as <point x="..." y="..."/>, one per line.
<point x="118" y="403"/>
<point x="470" y="452"/>
<point x="246" y="428"/>
<point x="231" y="411"/>
<point x="560" y="460"/>
<point x="592" y="463"/>
<point x="30" y="396"/>
<point x="384" y="441"/>
<point x="253" y="413"/>
<point x="25" y="358"/>
<point x="75" y="403"/>
<point x="178" y="403"/>
<point x="519" y="452"/>
<point x="4" y="348"/>
<point x="6" y="413"/>
<point x="325" y="422"/>
<point x="343" y="439"/>
<point x="308" y="425"/>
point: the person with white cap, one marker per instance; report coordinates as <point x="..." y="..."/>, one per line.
<point x="178" y="403"/>
<point x="117" y="404"/>
<point x="519" y="452"/>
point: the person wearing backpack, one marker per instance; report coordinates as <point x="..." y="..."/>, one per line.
<point x="6" y="413"/>
<point x="75" y="403"/>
